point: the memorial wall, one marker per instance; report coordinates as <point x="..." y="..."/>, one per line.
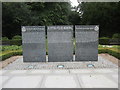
<point x="60" y="43"/>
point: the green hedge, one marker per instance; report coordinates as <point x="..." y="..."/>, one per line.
<point x="114" y="53"/>
<point x="4" y="38"/>
<point x="116" y="36"/>
<point x="16" y="42"/>
<point x="9" y="54"/>
<point x="10" y="48"/>
<point x="111" y="52"/>
<point x="102" y="51"/>
<point x="104" y="41"/>
<point x="12" y="42"/>
<point x="109" y="41"/>
<point x="17" y="37"/>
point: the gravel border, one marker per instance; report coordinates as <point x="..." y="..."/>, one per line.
<point x="6" y="62"/>
<point x="104" y="61"/>
<point x="111" y="58"/>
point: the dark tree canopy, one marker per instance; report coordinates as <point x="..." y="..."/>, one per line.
<point x="36" y="13"/>
<point x="14" y="15"/>
<point x="105" y="14"/>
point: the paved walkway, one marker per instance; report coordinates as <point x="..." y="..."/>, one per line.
<point x="103" y="74"/>
<point x="72" y="78"/>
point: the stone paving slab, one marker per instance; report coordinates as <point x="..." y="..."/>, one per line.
<point x="60" y="81"/>
<point x="104" y="74"/>
<point x="23" y="82"/>
<point x="96" y="81"/>
<point x="72" y="78"/>
<point x="20" y="65"/>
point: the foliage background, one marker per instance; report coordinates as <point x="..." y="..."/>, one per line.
<point x="104" y="14"/>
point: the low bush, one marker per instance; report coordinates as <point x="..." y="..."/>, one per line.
<point x="16" y="37"/>
<point x="116" y="36"/>
<point x="8" y="54"/>
<point x="10" y="48"/>
<point x="4" y="38"/>
<point x="104" y="40"/>
<point x="16" y="42"/>
<point x="12" y="42"/>
<point x="102" y="50"/>
<point x="114" y="53"/>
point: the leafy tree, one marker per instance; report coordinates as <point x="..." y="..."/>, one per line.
<point x="105" y="14"/>
<point x="14" y="15"/>
<point x="74" y="18"/>
<point x="33" y="13"/>
<point x="50" y="13"/>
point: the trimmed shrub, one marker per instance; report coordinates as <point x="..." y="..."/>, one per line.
<point x="16" y="42"/>
<point x="5" y="42"/>
<point x="114" y="53"/>
<point x="16" y="37"/>
<point x="114" y="41"/>
<point x="111" y="52"/>
<point x="4" y="39"/>
<point x="102" y="51"/>
<point x="116" y="36"/>
<point x="11" y="48"/>
<point x="12" y="42"/>
<point x="9" y="54"/>
<point x="104" y="41"/>
<point x="104" y="38"/>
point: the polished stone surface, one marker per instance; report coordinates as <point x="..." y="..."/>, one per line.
<point x="34" y="44"/>
<point x="86" y="42"/>
<point x="60" y="45"/>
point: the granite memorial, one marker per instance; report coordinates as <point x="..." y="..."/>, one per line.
<point x="86" y="42"/>
<point x="60" y="44"/>
<point x="34" y="46"/>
